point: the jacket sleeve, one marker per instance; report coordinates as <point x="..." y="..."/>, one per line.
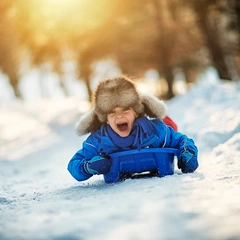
<point x="171" y="139"/>
<point x="75" y="166"/>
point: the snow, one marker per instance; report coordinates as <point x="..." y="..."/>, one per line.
<point x="40" y="200"/>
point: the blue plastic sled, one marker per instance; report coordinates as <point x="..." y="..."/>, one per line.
<point x="160" y="160"/>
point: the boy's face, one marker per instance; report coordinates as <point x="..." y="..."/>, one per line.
<point x="121" y="121"/>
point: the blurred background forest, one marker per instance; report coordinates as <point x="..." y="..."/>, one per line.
<point x="168" y="36"/>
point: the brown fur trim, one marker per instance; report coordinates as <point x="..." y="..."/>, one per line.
<point x="87" y="123"/>
<point x="153" y="107"/>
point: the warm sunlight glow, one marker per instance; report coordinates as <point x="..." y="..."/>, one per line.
<point x="66" y="19"/>
<point x="82" y="12"/>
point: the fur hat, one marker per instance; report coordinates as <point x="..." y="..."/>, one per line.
<point x="118" y="92"/>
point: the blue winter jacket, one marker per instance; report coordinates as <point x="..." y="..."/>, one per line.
<point x="99" y="143"/>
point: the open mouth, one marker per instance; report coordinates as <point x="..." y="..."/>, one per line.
<point x="122" y="126"/>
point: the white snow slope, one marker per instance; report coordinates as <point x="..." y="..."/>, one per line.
<point x="40" y="200"/>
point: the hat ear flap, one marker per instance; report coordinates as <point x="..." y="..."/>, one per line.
<point x="87" y="123"/>
<point x="153" y="107"/>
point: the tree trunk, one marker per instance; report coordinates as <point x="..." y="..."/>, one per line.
<point x="63" y="86"/>
<point x="13" y="80"/>
<point x="216" y="51"/>
<point x="237" y="10"/>
<point x="89" y="90"/>
<point x="85" y="74"/>
<point x="168" y="74"/>
<point x="212" y="41"/>
<point x="17" y="92"/>
<point x="163" y="47"/>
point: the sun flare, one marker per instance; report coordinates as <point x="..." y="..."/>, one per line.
<point x="64" y="20"/>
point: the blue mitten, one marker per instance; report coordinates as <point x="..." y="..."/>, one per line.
<point x="187" y="162"/>
<point x="97" y="165"/>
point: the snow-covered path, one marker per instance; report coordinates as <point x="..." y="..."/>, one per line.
<point x="40" y="200"/>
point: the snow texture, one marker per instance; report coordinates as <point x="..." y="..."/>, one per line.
<point x="40" y="200"/>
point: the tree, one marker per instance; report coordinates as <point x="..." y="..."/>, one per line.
<point x="10" y="49"/>
<point x="209" y="14"/>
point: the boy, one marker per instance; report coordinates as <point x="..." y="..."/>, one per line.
<point x="118" y="122"/>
